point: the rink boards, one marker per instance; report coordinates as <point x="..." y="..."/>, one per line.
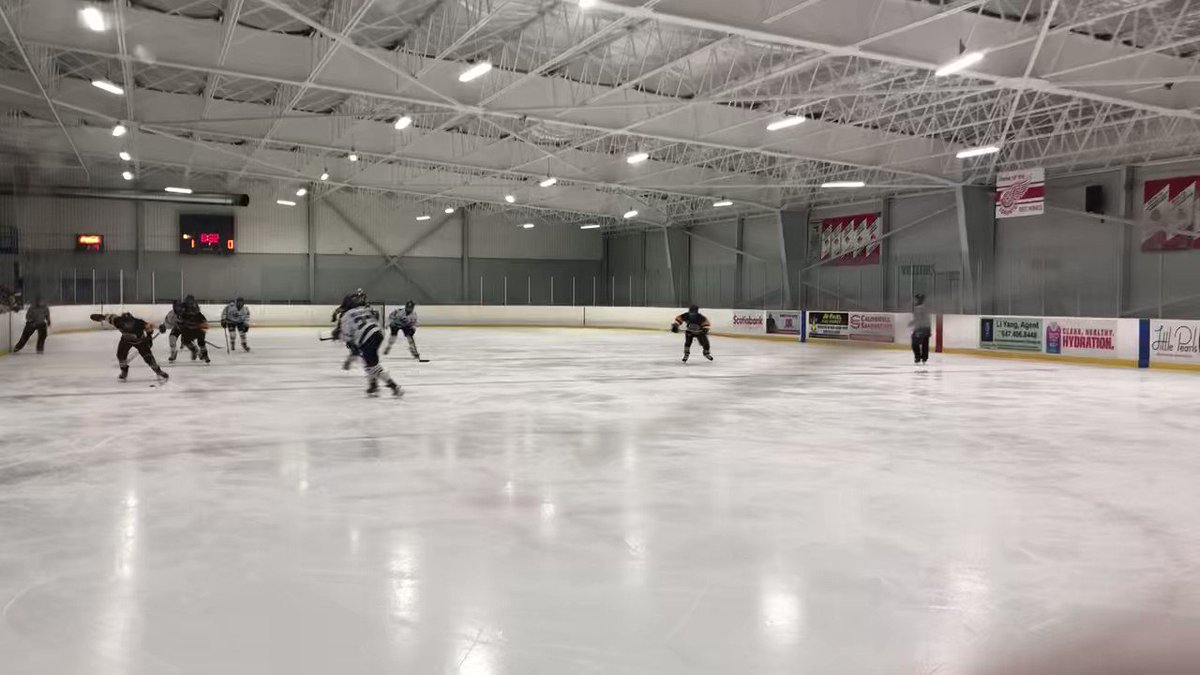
<point x="1145" y="343"/>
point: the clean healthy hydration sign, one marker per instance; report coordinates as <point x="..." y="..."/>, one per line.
<point x="1010" y="334"/>
<point x="1081" y="337"/>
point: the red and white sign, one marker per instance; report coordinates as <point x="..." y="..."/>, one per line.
<point x="1169" y="207"/>
<point x="1021" y="193"/>
<point x="872" y="327"/>
<point x="783" y="322"/>
<point x="852" y="240"/>
<point x="749" y="321"/>
<point x="1081" y="337"/>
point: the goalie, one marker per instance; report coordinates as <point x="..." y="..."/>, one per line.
<point x="696" y="327"/>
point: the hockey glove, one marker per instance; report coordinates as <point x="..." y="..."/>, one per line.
<point x="674" y="328"/>
<point x="98" y="317"/>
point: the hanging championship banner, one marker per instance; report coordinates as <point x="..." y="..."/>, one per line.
<point x="1169" y="214"/>
<point x="1021" y="193"/>
<point x="852" y="240"/>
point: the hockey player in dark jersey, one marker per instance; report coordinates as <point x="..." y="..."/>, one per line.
<point x="404" y="319"/>
<point x="135" y="334"/>
<point x="192" y="329"/>
<point x="360" y="328"/>
<point x="696" y="327"/>
<point x="171" y="323"/>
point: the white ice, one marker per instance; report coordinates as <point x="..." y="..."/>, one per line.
<point x="577" y="501"/>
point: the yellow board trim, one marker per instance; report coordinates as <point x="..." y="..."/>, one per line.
<point x="1051" y="358"/>
<point x="1178" y="367"/>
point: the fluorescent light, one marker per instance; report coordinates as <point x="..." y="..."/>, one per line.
<point x="285" y="202"/>
<point x="528" y="226"/>
<point x="723" y="202"/>
<point x="632" y="213"/>
<point x="120" y="130"/>
<point x="448" y="209"/>
<point x="353" y="157"/>
<point x="844" y="184"/>
<point x="475" y="71"/>
<point x="638" y="157"/>
<point x="108" y="86"/>
<point x="589" y="227"/>
<point x="127" y="175"/>
<point x="962" y="62"/>
<point x="403" y="122"/>
<point x="179" y="190"/>
<point x="424" y="217"/>
<point x="301" y="192"/>
<point x="93" y="19"/>
<point x="510" y="199"/>
<point x="978" y="152"/>
<point x="786" y="122"/>
<point x="324" y="175"/>
<point x="124" y="156"/>
<point x="584" y="4"/>
<point x="548" y="182"/>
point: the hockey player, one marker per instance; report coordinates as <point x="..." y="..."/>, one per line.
<point x="192" y="327"/>
<point x="37" y="320"/>
<point x="360" y="328"/>
<point x="135" y="334"/>
<point x="235" y="319"/>
<point x="348" y="303"/>
<point x="696" y="327"/>
<point x="171" y="323"/>
<point x="404" y="319"/>
<point x="922" y="329"/>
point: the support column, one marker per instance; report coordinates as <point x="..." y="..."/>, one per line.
<point x="670" y="269"/>
<point x="139" y="217"/>
<point x="465" y="251"/>
<point x="739" y="265"/>
<point x="312" y="248"/>
<point x="794" y="232"/>
<point x="785" y="285"/>
<point x="977" y="245"/>
<point x="1126" y="208"/>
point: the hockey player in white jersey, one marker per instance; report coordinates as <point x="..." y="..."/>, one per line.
<point x="171" y="323"/>
<point x="235" y="320"/>
<point x="360" y="329"/>
<point x="404" y="319"/>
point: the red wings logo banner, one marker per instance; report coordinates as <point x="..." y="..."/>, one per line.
<point x="1021" y="193"/>
<point x="1169" y="210"/>
<point x="852" y="240"/>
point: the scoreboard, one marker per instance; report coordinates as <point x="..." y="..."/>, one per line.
<point x="206" y="233"/>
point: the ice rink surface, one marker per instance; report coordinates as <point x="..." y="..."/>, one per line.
<point x="549" y="501"/>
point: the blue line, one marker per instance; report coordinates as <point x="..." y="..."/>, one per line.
<point x="804" y="325"/>
<point x="1143" y="343"/>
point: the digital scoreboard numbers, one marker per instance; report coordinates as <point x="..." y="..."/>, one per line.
<point x="93" y="243"/>
<point x="206" y="233"/>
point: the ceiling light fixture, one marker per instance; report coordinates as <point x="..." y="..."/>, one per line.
<point x="528" y="226"/>
<point x="964" y="61"/>
<point x="301" y="192"/>
<point x="125" y="156"/>
<point x="108" y="86"/>
<point x="403" y="122"/>
<point x="93" y="18"/>
<point x="786" y="122"/>
<point x="475" y="72"/>
<point x="324" y="175"/>
<point x="179" y="190"/>
<point x="632" y="213"/>
<point x="127" y="175"/>
<point x="638" y="157"/>
<point x="120" y="130"/>
<point x="589" y="227"/>
<point x="285" y="202"/>
<point x="844" y="184"/>
<point x="978" y="152"/>
<point x="424" y="217"/>
<point x="584" y="4"/>
<point x="448" y="210"/>
<point x="723" y="202"/>
<point x="548" y="182"/>
<point x="353" y="157"/>
<point x="510" y="199"/>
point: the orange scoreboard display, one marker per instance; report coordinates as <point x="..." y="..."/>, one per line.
<point x="206" y="233"/>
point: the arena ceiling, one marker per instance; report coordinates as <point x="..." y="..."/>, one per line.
<point x="221" y="91"/>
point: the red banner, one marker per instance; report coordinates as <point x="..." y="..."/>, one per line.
<point x="852" y="240"/>
<point x="1169" y="210"/>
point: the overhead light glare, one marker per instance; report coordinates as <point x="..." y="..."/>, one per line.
<point x="963" y="62"/>
<point x="403" y="123"/>
<point x="324" y="175"/>
<point x="638" y="157"/>
<point x="474" y="72"/>
<point x="301" y="192"/>
<point x="120" y="130"/>
<point x="353" y="157"/>
<point x="448" y="210"/>
<point x="528" y="226"/>
<point x="723" y="202"/>
<point x="94" y="19"/>
<point x="510" y="199"/>
<point x="632" y="213"/>
<point x="585" y="4"/>
<point x="105" y="85"/>
<point x="285" y="202"/>
<point x="424" y="217"/>
<point x="127" y="175"/>
<point x="125" y="156"/>
<point x="844" y="184"/>
<point x="978" y="152"/>
<point x="589" y="227"/>
<point x="179" y="190"/>
<point x="548" y="182"/>
<point x="785" y="123"/>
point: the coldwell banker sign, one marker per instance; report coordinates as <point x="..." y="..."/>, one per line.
<point x="749" y="321"/>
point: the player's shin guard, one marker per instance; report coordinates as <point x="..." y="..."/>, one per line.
<point x="391" y="341"/>
<point x="412" y="348"/>
<point x="124" y="369"/>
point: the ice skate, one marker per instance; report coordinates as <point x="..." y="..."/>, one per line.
<point x="708" y="356"/>
<point x="396" y="390"/>
<point x="245" y="347"/>
<point x="124" y="375"/>
<point x="162" y="377"/>
<point x="373" y="389"/>
<point x="685" y="357"/>
<point x="204" y="357"/>
<point x="195" y="355"/>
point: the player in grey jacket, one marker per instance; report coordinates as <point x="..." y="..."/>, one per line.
<point x="404" y="319"/>
<point x="922" y="329"/>
<point x="235" y="319"/>
<point x="37" y="320"/>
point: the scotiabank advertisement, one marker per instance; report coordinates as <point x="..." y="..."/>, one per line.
<point x="749" y="321"/>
